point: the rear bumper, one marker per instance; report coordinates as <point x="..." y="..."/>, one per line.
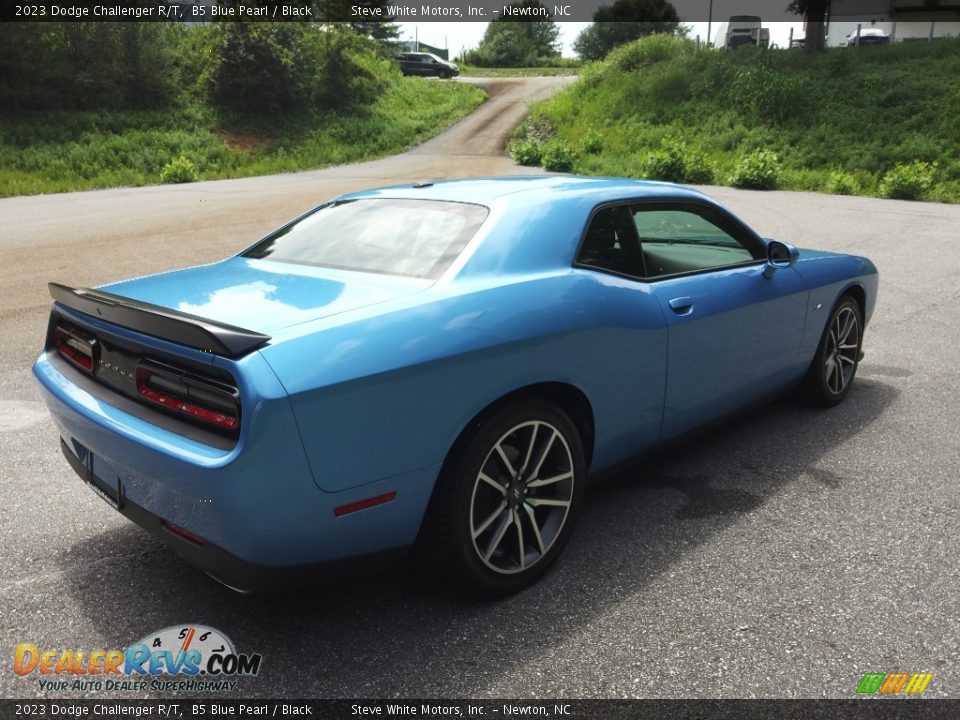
<point x="223" y="566"/>
<point x="256" y="507"/>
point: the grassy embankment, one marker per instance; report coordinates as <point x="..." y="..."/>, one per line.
<point x="867" y="121"/>
<point x="43" y="152"/>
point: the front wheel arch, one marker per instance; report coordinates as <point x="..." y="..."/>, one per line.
<point x="837" y="358"/>
<point x="859" y="294"/>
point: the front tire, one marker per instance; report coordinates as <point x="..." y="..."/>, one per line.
<point x="838" y="356"/>
<point x="507" y="499"/>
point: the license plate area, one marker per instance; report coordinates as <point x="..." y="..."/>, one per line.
<point x="89" y="469"/>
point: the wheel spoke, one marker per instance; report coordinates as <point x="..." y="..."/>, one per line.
<point x="492" y="483"/>
<point x="847" y="347"/>
<point x="548" y="502"/>
<point x="536" y="529"/>
<point x="834" y="375"/>
<point x="845" y="359"/>
<point x="498" y="536"/>
<point x="489" y="521"/>
<point x="848" y="326"/>
<point x="543" y="456"/>
<point x="522" y="556"/>
<point x="549" y="481"/>
<point x="506" y="461"/>
<point x="831" y="367"/>
<point x="533" y="440"/>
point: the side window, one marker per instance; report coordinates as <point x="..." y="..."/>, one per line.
<point x="678" y="241"/>
<point x="611" y="243"/>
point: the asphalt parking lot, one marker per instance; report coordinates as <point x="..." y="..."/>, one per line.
<point x="784" y="554"/>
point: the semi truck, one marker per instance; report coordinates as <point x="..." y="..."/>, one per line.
<point x="746" y="30"/>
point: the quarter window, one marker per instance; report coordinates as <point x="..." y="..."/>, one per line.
<point x="611" y="243"/>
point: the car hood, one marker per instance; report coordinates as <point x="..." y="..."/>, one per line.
<point x="265" y="296"/>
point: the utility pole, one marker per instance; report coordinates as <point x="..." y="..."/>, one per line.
<point x="709" y="22"/>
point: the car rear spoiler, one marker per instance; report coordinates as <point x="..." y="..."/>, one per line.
<point x="161" y="322"/>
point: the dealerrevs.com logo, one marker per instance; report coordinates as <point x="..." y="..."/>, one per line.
<point x="181" y="657"/>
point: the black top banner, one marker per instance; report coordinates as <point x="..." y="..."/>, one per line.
<point x="404" y="10"/>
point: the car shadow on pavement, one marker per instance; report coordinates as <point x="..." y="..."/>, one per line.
<point x="392" y="632"/>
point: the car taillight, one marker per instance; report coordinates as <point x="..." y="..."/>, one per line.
<point x="206" y="402"/>
<point x="76" y="348"/>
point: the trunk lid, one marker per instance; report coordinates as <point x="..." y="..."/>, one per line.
<point x="265" y="296"/>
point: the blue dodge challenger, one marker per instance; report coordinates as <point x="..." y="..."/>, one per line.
<point x="438" y="365"/>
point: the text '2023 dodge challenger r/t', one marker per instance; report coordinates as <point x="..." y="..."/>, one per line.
<point x="436" y="365"/>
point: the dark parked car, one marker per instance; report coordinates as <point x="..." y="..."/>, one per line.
<point x="419" y="63"/>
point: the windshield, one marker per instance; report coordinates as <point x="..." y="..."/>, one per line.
<point x="416" y="238"/>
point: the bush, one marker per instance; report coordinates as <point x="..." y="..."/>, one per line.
<point x="273" y="67"/>
<point x="178" y="170"/>
<point x="592" y="142"/>
<point x="347" y="69"/>
<point x="675" y="162"/>
<point x="255" y="67"/>
<point x="908" y="181"/>
<point x="842" y="183"/>
<point x="760" y="170"/>
<point x="558" y="157"/>
<point x="649" y="51"/>
<point x="527" y="152"/>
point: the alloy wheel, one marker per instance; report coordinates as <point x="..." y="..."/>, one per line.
<point x="521" y="497"/>
<point x="843" y="343"/>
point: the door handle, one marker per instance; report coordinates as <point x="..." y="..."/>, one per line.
<point x="682" y="305"/>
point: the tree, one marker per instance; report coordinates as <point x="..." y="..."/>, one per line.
<point x="292" y="67"/>
<point x="518" y="40"/>
<point x="815" y="13"/>
<point x="383" y="30"/>
<point x="254" y="66"/>
<point x="622" y="22"/>
<point x="86" y="65"/>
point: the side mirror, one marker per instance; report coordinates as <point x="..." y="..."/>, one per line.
<point x="779" y="255"/>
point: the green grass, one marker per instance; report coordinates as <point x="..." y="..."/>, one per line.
<point x="471" y="71"/>
<point x="65" y="151"/>
<point x="836" y="122"/>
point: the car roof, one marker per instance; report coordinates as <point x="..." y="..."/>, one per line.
<point x="543" y="188"/>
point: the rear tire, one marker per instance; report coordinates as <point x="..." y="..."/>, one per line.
<point x="835" y="365"/>
<point x="506" y="499"/>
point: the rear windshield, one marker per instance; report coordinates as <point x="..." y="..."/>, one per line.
<point x="416" y="238"/>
